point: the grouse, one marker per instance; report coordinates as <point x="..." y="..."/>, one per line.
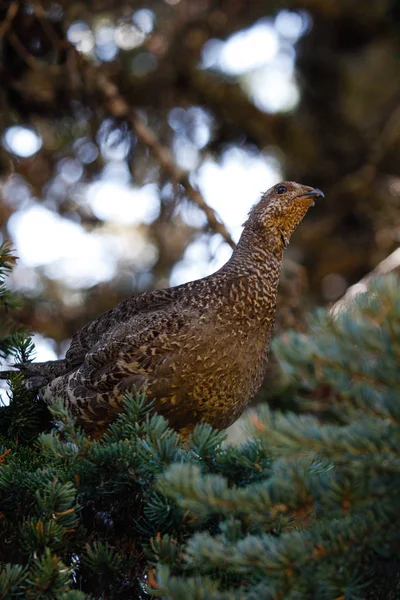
<point x="200" y="349"/>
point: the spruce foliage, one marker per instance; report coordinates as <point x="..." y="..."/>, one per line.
<point x="302" y="509"/>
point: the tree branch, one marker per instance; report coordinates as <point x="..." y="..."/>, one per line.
<point x="6" y="24"/>
<point x="119" y="108"/>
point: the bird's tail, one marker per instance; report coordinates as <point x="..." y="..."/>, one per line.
<point x="38" y="374"/>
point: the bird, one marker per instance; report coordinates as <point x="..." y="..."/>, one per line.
<point x="198" y="350"/>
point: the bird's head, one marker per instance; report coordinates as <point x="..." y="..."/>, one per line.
<point x="282" y="208"/>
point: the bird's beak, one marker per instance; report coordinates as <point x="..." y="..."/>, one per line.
<point x="315" y="193"/>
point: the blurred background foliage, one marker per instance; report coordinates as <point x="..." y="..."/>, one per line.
<point x="135" y="136"/>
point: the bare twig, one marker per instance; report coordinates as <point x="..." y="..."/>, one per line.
<point x="48" y="28"/>
<point x="23" y="52"/>
<point x="6" y="24"/>
<point x="119" y="108"/>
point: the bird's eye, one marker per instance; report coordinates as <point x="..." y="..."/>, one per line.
<point x="281" y="189"/>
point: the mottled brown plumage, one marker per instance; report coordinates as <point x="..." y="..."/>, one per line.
<point x="199" y="349"/>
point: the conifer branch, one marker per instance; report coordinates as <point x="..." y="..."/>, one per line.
<point x="119" y="108"/>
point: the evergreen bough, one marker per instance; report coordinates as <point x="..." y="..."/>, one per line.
<point x="303" y="509"/>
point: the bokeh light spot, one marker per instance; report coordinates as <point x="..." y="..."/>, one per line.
<point x="291" y="25"/>
<point x="243" y="51"/>
<point x="22" y="141"/>
<point x="81" y="36"/>
<point x="144" y="19"/>
<point x="128" y="36"/>
<point x="111" y="201"/>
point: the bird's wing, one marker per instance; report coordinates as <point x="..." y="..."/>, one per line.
<point x="90" y="335"/>
<point x="130" y="356"/>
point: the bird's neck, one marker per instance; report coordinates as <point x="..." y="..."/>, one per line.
<point x="253" y="271"/>
<point x="259" y="252"/>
